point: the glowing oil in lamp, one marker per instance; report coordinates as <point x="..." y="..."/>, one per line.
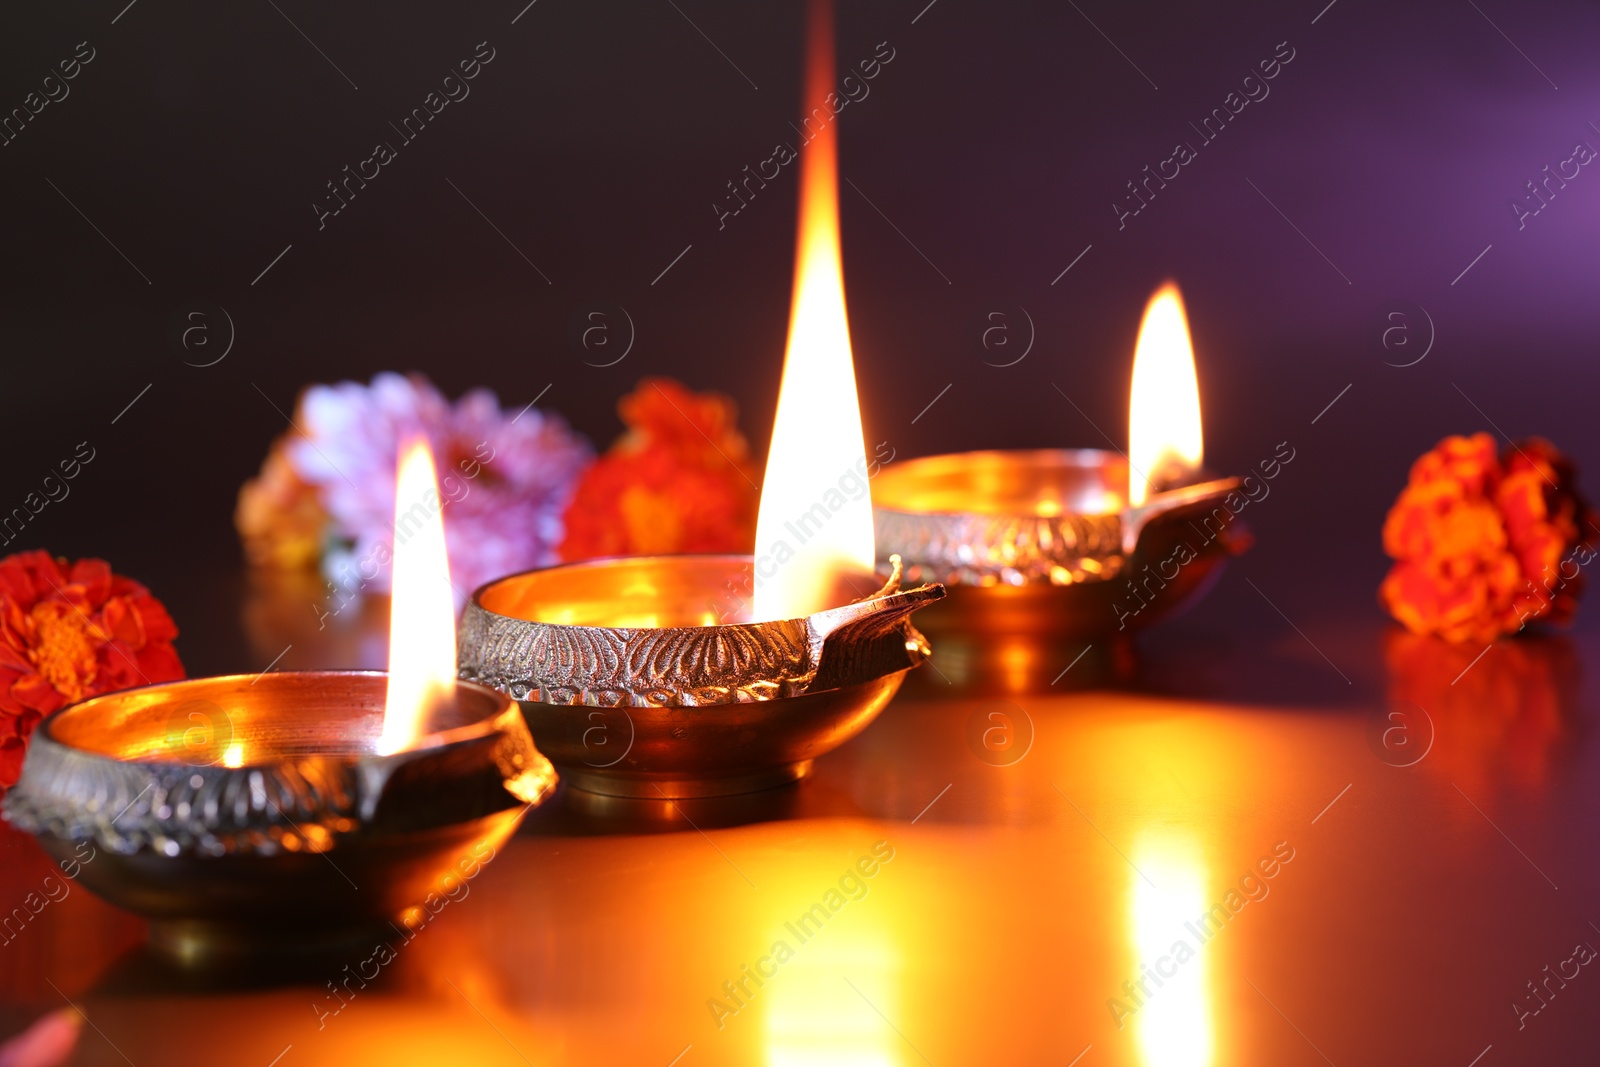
<point x="682" y="676"/>
<point x="1165" y="444"/>
<point x="315" y="806"/>
<point x="1050" y="551"/>
<point x="816" y="435"/>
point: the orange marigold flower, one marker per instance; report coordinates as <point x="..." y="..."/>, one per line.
<point x="1547" y="521"/>
<point x="1484" y="543"/>
<point x="69" y="632"/>
<point x="680" y="479"/>
<point x="280" y="517"/>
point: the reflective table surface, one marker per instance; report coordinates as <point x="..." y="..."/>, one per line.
<point x="1332" y="845"/>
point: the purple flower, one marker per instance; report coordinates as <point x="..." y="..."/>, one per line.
<point x="504" y="478"/>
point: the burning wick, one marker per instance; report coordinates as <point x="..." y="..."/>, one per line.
<point x="816" y="434"/>
<point x="422" y="613"/>
<point x="1165" y="444"/>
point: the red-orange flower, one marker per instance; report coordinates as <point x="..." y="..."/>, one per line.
<point x="69" y="632"/>
<point x="1485" y="543"/>
<point x="679" y="480"/>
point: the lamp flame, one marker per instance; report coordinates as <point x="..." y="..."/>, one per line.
<point x="1164" y="438"/>
<point x="820" y="537"/>
<point x="422" y="637"/>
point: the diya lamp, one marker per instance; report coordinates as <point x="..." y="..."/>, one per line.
<point x="1049" y="553"/>
<point x="291" y="811"/>
<point x="686" y="676"/>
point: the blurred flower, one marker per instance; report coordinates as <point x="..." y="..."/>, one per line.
<point x="69" y="632"/>
<point x="48" y="1042"/>
<point x="342" y="630"/>
<point x="1546" y="521"/>
<point x="1511" y="707"/>
<point x="504" y="477"/>
<point x="679" y="480"/>
<point x="280" y="516"/>
<point x="1483" y="544"/>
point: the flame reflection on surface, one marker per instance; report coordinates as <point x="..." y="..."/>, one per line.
<point x="1174" y="1024"/>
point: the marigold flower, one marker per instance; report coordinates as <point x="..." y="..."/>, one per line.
<point x="680" y="479"/>
<point x="68" y="632"/>
<point x="1483" y="543"/>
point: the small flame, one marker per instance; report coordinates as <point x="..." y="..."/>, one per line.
<point x="812" y="536"/>
<point x="1164" y="438"/>
<point x="422" y="638"/>
<point x="233" y="755"/>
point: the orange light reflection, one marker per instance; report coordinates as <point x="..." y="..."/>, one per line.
<point x="1174" y="1022"/>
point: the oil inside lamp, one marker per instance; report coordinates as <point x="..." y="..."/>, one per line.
<point x="335" y="804"/>
<point x="1050" y="551"/>
<point x="642" y="677"/>
<point x="816" y="435"/>
<point x="1165" y="445"/>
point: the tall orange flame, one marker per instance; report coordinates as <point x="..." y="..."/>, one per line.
<point x="422" y="612"/>
<point x="1164" y="438"/>
<point x="813" y="534"/>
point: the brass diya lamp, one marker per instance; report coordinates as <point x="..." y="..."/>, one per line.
<point x="301" y="832"/>
<point x="290" y="812"/>
<point x="688" y="676"/>
<point x="1049" y="553"/>
<point x="631" y="692"/>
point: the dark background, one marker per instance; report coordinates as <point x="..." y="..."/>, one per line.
<point x="991" y="149"/>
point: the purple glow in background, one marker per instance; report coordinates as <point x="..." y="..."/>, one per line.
<point x="984" y="160"/>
